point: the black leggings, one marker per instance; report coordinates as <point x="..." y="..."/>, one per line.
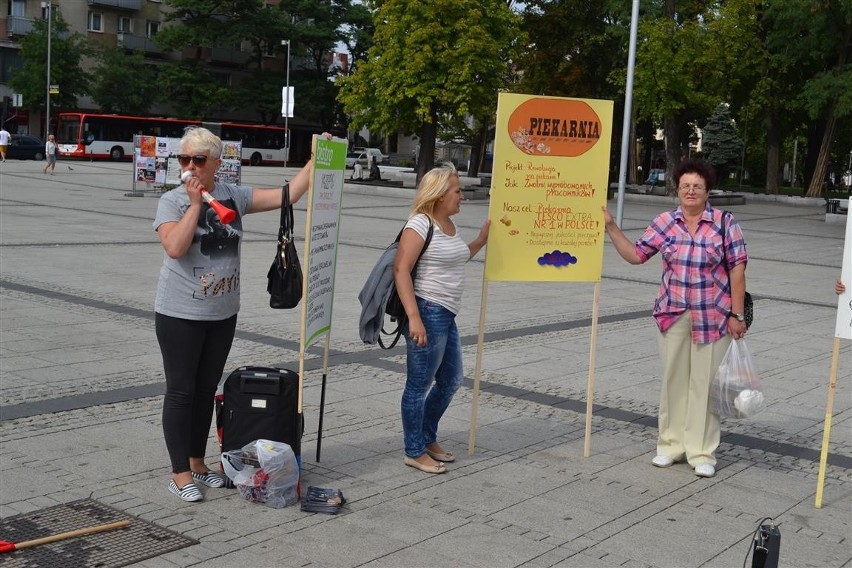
<point x="194" y="356"/>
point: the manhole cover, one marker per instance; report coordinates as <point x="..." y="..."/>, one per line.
<point x="138" y="541"/>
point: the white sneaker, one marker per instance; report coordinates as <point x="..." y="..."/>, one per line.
<point x="705" y="470"/>
<point x="662" y="461"/>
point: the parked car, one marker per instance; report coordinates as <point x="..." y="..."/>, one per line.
<point x="372" y="152"/>
<point x="353" y="157"/>
<point x="24" y="147"/>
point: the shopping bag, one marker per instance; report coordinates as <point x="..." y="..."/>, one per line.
<point x="736" y="391"/>
<point x="264" y="472"/>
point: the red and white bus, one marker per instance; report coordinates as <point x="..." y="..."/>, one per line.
<point x="110" y="136"/>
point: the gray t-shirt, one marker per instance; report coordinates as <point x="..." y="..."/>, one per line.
<point x="203" y="284"/>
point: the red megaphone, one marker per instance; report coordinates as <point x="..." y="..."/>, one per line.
<point x="225" y="215"/>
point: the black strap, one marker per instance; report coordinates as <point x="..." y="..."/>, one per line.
<point x="397" y="333"/>
<point x="425" y="242"/>
<point x="725" y="215"/>
<point x="285" y="228"/>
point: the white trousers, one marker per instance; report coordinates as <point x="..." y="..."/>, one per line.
<point x="687" y="427"/>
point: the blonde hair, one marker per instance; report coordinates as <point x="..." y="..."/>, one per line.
<point x="201" y="139"/>
<point x="435" y="183"/>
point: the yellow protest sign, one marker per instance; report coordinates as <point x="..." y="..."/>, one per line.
<point x="549" y="181"/>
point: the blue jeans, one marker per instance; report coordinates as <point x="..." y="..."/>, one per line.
<point x="438" y="362"/>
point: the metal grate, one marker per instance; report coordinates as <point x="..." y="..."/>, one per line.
<point x="120" y="547"/>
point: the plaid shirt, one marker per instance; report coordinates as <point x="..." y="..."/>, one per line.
<point x="694" y="277"/>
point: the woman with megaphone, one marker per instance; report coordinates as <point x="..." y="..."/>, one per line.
<point x="198" y="296"/>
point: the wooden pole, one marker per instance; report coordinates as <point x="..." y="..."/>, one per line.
<point x="306" y="262"/>
<point x="590" y="388"/>
<point x="474" y="405"/>
<point x="826" y="432"/>
<point x="70" y="534"/>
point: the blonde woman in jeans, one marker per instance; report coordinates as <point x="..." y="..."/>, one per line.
<point x="431" y="301"/>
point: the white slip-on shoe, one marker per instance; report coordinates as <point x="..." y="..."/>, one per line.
<point x="705" y="470"/>
<point x="662" y="461"/>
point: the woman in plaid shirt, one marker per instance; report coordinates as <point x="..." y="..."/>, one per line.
<point x="698" y="310"/>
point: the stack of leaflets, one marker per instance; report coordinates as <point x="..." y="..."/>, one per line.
<point x="322" y="500"/>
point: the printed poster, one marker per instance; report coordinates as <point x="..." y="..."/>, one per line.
<point x="155" y="162"/>
<point x="145" y="170"/>
<point x="163" y="149"/>
<point x="148" y="146"/>
<point x="321" y="242"/>
<point x="230" y="170"/>
<point x="549" y="182"/>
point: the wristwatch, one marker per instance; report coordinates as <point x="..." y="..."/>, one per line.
<point x="739" y="317"/>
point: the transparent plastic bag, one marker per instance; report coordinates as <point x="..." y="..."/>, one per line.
<point x="264" y="472"/>
<point x="735" y="391"/>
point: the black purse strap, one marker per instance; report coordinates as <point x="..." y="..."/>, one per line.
<point x="425" y="242"/>
<point x="285" y="228"/>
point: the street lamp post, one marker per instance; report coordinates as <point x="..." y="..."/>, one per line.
<point x="49" y="7"/>
<point x="287" y="104"/>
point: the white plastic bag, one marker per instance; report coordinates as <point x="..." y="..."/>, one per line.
<point x="264" y="472"/>
<point x="735" y="391"/>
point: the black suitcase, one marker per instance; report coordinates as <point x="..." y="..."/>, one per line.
<point x="260" y="403"/>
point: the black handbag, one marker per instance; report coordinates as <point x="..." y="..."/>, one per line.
<point x="285" y="275"/>
<point x="748" y="303"/>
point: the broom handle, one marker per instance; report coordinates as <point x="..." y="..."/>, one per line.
<point x="70" y="534"/>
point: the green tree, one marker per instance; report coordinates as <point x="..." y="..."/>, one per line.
<point x="672" y="81"/>
<point x="194" y="92"/>
<point x="66" y="54"/>
<point x="574" y="47"/>
<point x="432" y="64"/>
<point x="813" y="38"/>
<point x="720" y="144"/>
<point x="199" y="24"/>
<point x="313" y="28"/>
<point x="123" y="83"/>
<point x="697" y="54"/>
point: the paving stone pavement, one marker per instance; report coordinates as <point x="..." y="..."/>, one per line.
<point x="81" y="391"/>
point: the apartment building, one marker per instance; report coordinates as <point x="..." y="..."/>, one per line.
<point x="131" y="24"/>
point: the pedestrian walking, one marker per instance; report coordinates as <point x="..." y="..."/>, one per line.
<point x="50" y="153"/>
<point x="5" y="138"/>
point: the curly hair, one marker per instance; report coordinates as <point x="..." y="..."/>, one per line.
<point x="699" y="167"/>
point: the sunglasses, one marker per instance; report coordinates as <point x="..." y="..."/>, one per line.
<point x="184" y="160"/>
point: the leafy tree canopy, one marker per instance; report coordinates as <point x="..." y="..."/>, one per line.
<point x="123" y="83"/>
<point x="574" y="46"/>
<point x="194" y="92"/>
<point x="66" y="53"/>
<point x="431" y="64"/>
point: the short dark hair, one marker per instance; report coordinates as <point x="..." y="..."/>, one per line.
<point x="699" y="167"/>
